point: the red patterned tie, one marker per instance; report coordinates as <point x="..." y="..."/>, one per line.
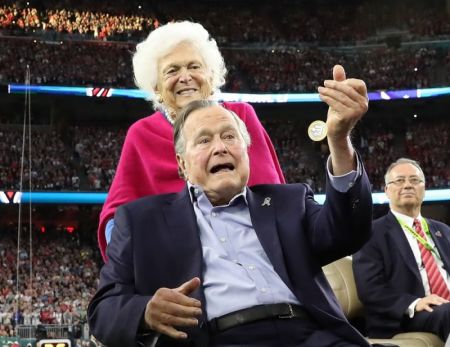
<point x="437" y="283"/>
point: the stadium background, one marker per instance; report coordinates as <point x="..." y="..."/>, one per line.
<point x="287" y="47"/>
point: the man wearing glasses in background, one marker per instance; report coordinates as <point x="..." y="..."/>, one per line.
<point x="402" y="273"/>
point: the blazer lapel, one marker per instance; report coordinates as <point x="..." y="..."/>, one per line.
<point x="263" y="216"/>
<point x="442" y="244"/>
<point x="184" y="238"/>
<point x="397" y="233"/>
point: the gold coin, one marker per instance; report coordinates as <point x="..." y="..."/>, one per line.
<point x="317" y="130"/>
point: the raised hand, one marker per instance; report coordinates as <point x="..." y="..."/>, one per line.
<point x="347" y="100"/>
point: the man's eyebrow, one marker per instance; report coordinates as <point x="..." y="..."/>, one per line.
<point x="403" y="176"/>
<point x="203" y="132"/>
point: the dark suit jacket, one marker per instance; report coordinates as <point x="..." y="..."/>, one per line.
<point x="156" y="244"/>
<point x="387" y="276"/>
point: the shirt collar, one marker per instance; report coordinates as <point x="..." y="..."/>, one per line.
<point x="406" y="219"/>
<point x="196" y="193"/>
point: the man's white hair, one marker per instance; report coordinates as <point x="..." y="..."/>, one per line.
<point x="162" y="41"/>
<point x="179" y="141"/>
<point x="403" y="161"/>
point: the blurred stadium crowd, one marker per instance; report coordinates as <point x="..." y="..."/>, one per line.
<point x="87" y="160"/>
<point x="65" y="271"/>
<point x="257" y="21"/>
<point x="267" y="48"/>
<point x="288" y="47"/>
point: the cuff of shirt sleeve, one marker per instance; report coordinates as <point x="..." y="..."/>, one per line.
<point x="108" y="230"/>
<point x="412" y="308"/>
<point x="344" y="182"/>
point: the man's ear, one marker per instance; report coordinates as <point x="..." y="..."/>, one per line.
<point x="181" y="167"/>
<point x="386" y="192"/>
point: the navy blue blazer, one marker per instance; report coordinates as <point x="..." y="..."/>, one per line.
<point x="386" y="273"/>
<point x="156" y="244"/>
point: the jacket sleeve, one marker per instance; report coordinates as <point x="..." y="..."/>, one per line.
<point x="116" y="310"/>
<point x="343" y="224"/>
<point x="123" y="188"/>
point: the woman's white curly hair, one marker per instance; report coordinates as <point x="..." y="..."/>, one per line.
<point x="161" y="41"/>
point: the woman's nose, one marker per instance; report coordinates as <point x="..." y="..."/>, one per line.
<point x="185" y="76"/>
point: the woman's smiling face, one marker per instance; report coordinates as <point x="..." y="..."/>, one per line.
<point x="183" y="77"/>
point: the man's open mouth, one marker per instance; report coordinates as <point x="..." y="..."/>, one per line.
<point x="222" y="167"/>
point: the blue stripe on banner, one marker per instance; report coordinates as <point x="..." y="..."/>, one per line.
<point x="63" y="198"/>
<point x="251" y="98"/>
<point x="435" y="195"/>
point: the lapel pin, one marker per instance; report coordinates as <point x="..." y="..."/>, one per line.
<point x="438" y="233"/>
<point x="266" y="202"/>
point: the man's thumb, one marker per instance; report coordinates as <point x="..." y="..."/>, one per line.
<point x="339" y="73"/>
<point x="188" y="287"/>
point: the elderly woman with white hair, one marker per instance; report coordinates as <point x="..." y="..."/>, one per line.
<point x="177" y="63"/>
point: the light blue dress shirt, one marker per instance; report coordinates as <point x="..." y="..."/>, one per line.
<point x="237" y="271"/>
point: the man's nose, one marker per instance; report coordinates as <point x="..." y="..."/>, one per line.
<point x="407" y="184"/>
<point x="219" y="147"/>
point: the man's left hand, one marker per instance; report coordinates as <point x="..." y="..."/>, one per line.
<point x="347" y="100"/>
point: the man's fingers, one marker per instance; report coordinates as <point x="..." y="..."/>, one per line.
<point x="427" y="303"/>
<point x="342" y="104"/>
<point x="165" y="297"/>
<point x="345" y="88"/>
<point x="438" y="301"/>
<point x="170" y="331"/>
<point x="339" y="73"/>
<point x="182" y="310"/>
<point x="358" y="85"/>
<point x="171" y="320"/>
<point x="188" y="287"/>
<point x="424" y="306"/>
<point x="335" y="104"/>
<point x="337" y="95"/>
<point x="428" y="308"/>
<point x="346" y="95"/>
<point x="169" y="314"/>
<point x="170" y="308"/>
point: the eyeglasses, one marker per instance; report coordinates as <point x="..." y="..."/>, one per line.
<point x="401" y="181"/>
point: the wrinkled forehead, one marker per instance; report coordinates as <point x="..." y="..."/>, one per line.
<point x="180" y="53"/>
<point x="209" y="119"/>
